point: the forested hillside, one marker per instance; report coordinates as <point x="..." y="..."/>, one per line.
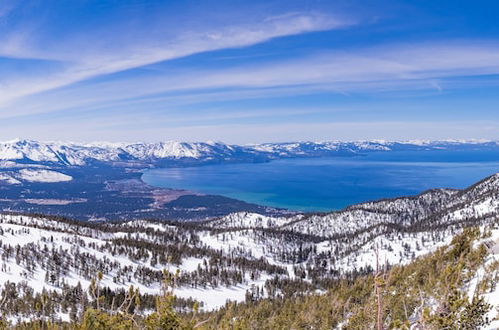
<point x="454" y="287"/>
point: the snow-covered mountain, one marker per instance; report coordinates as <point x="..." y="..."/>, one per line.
<point x="430" y="209"/>
<point x="153" y="153"/>
<point x="355" y="230"/>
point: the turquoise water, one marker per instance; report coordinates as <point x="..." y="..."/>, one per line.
<point x="323" y="184"/>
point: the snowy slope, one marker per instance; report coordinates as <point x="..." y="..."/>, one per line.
<point x="429" y="209"/>
<point x="43" y="176"/>
<point x="248" y="220"/>
<point x="79" y="249"/>
<point x="48" y="254"/>
<point x="488" y="271"/>
<point x="33" y="175"/>
<point x="82" y="154"/>
<point x="344" y="240"/>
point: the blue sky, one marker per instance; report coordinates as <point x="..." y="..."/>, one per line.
<point x="248" y="71"/>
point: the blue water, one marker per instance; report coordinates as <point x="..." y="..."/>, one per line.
<point x="323" y="184"/>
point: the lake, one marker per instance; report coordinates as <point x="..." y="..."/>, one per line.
<point x="324" y="184"/>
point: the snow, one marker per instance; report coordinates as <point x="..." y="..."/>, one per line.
<point x="236" y="241"/>
<point x="81" y="154"/>
<point x="248" y="220"/>
<point x="191" y="264"/>
<point x="55" y="201"/>
<point x="391" y="250"/>
<point x="43" y="176"/>
<point x="214" y="298"/>
<point x="21" y="230"/>
<point x="491" y="297"/>
<point x="6" y="178"/>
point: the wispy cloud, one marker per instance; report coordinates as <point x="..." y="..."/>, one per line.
<point x="94" y="60"/>
<point x="396" y="67"/>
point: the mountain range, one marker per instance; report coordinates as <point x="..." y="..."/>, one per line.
<point x="73" y="154"/>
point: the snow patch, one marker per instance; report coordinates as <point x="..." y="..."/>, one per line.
<point x="6" y="178"/>
<point x="43" y="176"/>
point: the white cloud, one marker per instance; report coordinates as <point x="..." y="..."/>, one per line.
<point x="83" y="63"/>
<point x="397" y="67"/>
